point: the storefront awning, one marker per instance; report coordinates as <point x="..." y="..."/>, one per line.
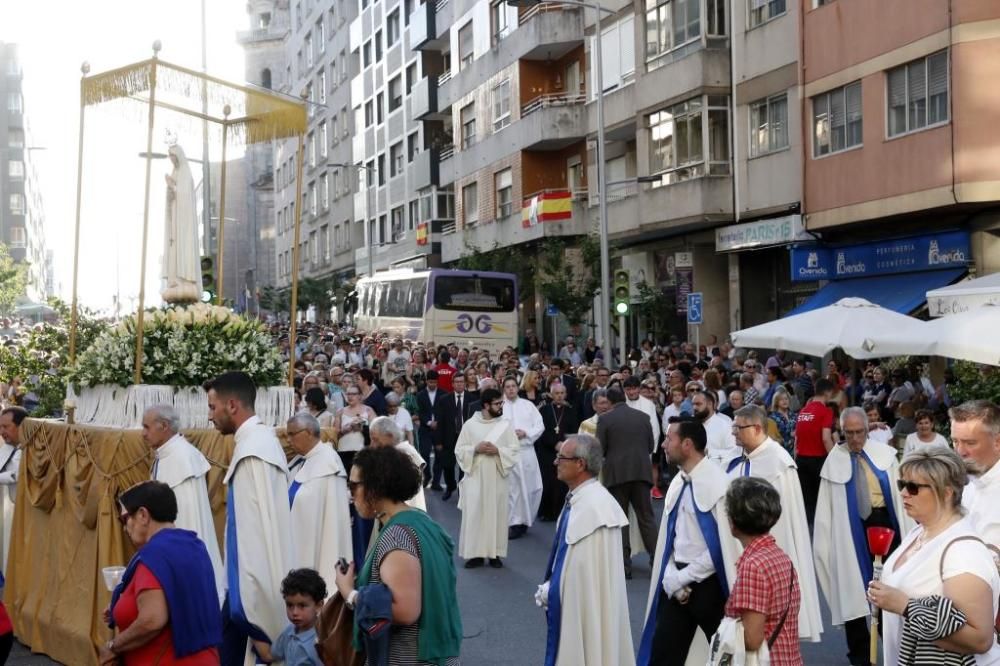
<point x="964" y="296"/>
<point x="903" y="292"/>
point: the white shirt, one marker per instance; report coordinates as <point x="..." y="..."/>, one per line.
<point x="913" y="442"/>
<point x="669" y="412"/>
<point x="981" y="498"/>
<point x="721" y="442"/>
<point x="646" y="406"/>
<point x="403" y="419"/>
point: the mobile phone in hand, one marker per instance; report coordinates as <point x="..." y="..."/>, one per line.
<point x="342" y="565"/>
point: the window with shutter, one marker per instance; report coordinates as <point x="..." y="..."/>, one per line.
<point x="917" y="94"/>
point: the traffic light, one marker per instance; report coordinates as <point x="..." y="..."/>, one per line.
<point x="621" y="292"/>
<point x="207" y="279"/>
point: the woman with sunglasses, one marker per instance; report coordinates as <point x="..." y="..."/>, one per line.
<point x="165" y="608"/>
<point x="412" y="560"/>
<point x="350" y="423"/>
<point x="939" y="588"/>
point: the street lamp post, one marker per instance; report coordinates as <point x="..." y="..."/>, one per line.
<point x="369" y="241"/>
<point x="602" y="185"/>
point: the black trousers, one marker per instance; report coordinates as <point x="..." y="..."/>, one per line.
<point x="677" y="622"/>
<point x="858" y="634"/>
<point x="553" y="490"/>
<point x="425" y="444"/>
<point x="809" y="468"/>
<point x="444" y="464"/>
<point x="636" y="494"/>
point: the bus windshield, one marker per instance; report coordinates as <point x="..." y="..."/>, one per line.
<point x="467" y="292"/>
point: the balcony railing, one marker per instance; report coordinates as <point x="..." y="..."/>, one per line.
<point x="543" y="8"/>
<point x="260" y="34"/>
<point x="447" y="152"/>
<point x="616" y="192"/>
<point x="449" y="228"/>
<point x="440" y="4"/>
<point x="444" y="78"/>
<point x="551" y="100"/>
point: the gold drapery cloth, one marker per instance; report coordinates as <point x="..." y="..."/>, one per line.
<point x="66" y="527"/>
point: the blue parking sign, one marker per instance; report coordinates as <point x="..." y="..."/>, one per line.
<point x="694" y="303"/>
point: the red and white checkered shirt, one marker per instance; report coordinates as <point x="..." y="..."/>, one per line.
<point x="763" y="573"/>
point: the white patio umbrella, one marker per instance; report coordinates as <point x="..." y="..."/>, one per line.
<point x="969" y="336"/>
<point x="859" y="327"/>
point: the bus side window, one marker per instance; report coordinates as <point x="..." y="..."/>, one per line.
<point x="418" y="294"/>
<point x="396" y="299"/>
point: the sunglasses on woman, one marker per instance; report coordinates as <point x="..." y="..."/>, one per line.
<point x="911" y="487"/>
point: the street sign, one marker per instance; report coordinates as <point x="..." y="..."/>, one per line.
<point x="551" y="311"/>
<point x="694" y="303"/>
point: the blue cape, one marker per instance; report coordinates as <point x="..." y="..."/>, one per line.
<point x="180" y="562"/>
<point x="858" y="533"/>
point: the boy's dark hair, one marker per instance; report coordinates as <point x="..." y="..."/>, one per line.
<point x="304" y="581"/>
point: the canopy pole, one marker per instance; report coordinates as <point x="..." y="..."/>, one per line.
<point x="74" y="311"/>
<point x="137" y="376"/>
<point x="222" y="203"/>
<point x="297" y="207"/>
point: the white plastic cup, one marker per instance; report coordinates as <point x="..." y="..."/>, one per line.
<point x="112" y="576"/>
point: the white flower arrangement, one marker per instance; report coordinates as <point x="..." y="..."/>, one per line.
<point x="182" y="346"/>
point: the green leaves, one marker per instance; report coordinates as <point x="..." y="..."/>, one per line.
<point x="13" y="281"/>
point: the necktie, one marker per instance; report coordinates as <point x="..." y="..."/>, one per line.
<point x="156" y="464"/>
<point x="459" y="417"/>
<point x="861" y="488"/>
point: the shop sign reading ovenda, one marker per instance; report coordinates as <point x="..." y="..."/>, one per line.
<point x="901" y="255"/>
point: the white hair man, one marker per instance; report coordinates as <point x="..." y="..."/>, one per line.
<point x="766" y="459"/>
<point x="384" y="431"/>
<point x="584" y="589"/>
<point x="857" y="490"/>
<point x="177" y="463"/>
<point x="321" y="521"/>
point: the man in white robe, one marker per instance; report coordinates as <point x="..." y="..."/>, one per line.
<point x="584" y="591"/>
<point x="487" y="451"/>
<point x="718" y="428"/>
<point x="258" y="521"/>
<point x="694" y="563"/>
<point x="975" y="433"/>
<point x="320" y="520"/>
<point x="526" y="479"/>
<point x="384" y="431"/>
<point x="177" y="463"/>
<point x="766" y="459"/>
<point x="10" y="463"/>
<point x="848" y="503"/>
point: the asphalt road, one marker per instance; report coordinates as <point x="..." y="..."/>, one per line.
<point x="502" y="624"/>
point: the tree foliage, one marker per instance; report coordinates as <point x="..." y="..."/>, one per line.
<point x="655" y="306"/>
<point x="13" y="281"/>
<point x="566" y="275"/>
<point x="974" y="382"/>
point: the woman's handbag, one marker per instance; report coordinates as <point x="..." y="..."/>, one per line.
<point x="335" y="634"/>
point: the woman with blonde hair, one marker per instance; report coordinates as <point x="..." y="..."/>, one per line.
<point x="530" y="389"/>
<point x="939" y="588"/>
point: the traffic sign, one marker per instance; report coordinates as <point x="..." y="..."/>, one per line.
<point x="694" y="308"/>
<point x="551" y="311"/>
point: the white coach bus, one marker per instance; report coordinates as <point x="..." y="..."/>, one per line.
<point x="469" y="308"/>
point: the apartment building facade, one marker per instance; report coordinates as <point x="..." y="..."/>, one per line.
<point x="901" y="177"/>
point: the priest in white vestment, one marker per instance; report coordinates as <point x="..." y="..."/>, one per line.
<point x="10" y="464"/>
<point x="975" y="433"/>
<point x="177" y="463"/>
<point x="857" y="490"/>
<point x="694" y="557"/>
<point x="258" y="521"/>
<point x="321" y="521"/>
<point x="384" y="431"/>
<point x="526" y="479"/>
<point x="764" y="458"/>
<point x="584" y="590"/>
<point x="487" y="450"/>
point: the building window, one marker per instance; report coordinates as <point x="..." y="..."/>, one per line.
<point x="690" y="139"/>
<point x="369" y="113"/>
<point x="498" y="20"/>
<point x="313" y="199"/>
<point x="468" y="120"/>
<point x="314" y="246"/>
<point x="918" y="94"/>
<point x="308" y="47"/>
<point x="14" y="103"/>
<point x="398" y="225"/>
<point x="322" y="87"/>
<point x="265" y="78"/>
<point x="15" y="138"/>
<point x="501" y="106"/>
<point x="324" y="190"/>
<point x="470" y="204"/>
<point x="344" y="121"/>
<point x="322" y="139"/>
<point x="412" y="146"/>
<point x="18" y="237"/>
<point x="348" y="240"/>
<point x="392" y="27"/>
<point x="381" y="169"/>
<point x="411" y="76"/>
<point x="343" y="65"/>
<point x="16" y="204"/>
<point x="762" y="11"/>
<point x="769" y="125"/>
<point x="380" y="108"/>
<point x="671" y="24"/>
<point x="395" y="92"/>
<point x="837" y="122"/>
<point x="324" y="239"/>
<point x="465" y="49"/>
<point x="378" y="46"/>
<point x="16" y="169"/>
<point x="312" y="149"/>
<point x="503" y="185"/>
<point x="366" y="53"/>
<point x="396" y="159"/>
<point x="414" y="214"/>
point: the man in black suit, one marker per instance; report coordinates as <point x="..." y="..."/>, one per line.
<point x="559" y="418"/>
<point x="433" y="419"/>
<point x="626" y="437"/>
<point x="456" y="406"/>
<point x="586" y="404"/>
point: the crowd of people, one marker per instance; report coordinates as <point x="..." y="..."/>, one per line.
<point x="769" y="472"/>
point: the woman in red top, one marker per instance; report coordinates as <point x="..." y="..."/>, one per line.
<point x="166" y="608"/>
<point x="765" y="595"/>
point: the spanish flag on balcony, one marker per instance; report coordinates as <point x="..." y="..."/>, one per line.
<point x="422" y="233"/>
<point x="547" y="206"/>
